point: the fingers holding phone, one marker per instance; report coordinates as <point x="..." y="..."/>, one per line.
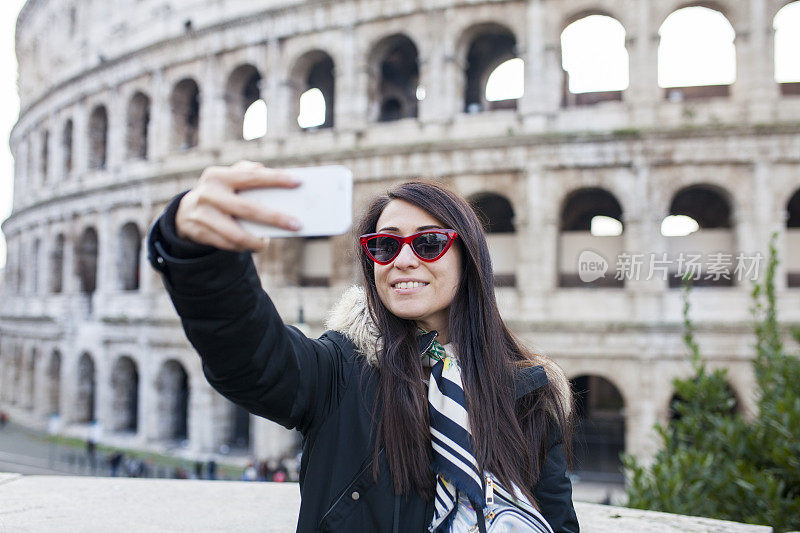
<point x="208" y="213"/>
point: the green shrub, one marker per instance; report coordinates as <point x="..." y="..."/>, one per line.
<point x="712" y="461"/>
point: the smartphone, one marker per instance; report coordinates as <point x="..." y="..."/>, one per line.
<point x="323" y="203"/>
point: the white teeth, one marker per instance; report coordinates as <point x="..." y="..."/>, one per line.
<point x="409" y="284"/>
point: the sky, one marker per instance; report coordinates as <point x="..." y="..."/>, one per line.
<point x="594" y="56"/>
<point x="9" y="110"/>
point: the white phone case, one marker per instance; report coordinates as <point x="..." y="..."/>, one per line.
<point x="323" y="203"/>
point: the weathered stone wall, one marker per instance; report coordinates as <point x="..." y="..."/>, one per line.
<point x="642" y="149"/>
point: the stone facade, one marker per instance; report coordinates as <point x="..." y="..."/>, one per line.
<point x="124" y="104"/>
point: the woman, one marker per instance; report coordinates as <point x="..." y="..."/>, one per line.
<point x="417" y="403"/>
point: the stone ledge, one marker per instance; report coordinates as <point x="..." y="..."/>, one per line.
<point x="63" y="503"/>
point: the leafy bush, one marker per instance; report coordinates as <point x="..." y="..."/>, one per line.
<point x="715" y="463"/>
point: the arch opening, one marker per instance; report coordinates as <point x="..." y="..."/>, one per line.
<point x="787" y="41"/>
<point x="314" y="85"/>
<point x="86" y="261"/>
<point x="138" y="125"/>
<point x="241" y="92"/>
<point x="696" y="54"/>
<point x="125" y="396"/>
<point x="396" y="72"/>
<point x="98" y="138"/>
<point x="172" y="389"/>
<point x="57" y="265"/>
<point x="185" y="111"/>
<point x="590" y="235"/>
<point x="497" y="216"/>
<point x="85" y="393"/>
<point x="53" y="380"/>
<point x="491" y="47"/>
<point x="706" y="255"/>
<point x="793" y="240"/>
<point x="66" y="148"/>
<point x="595" y="61"/>
<point x="44" y="156"/>
<point x="130" y="245"/>
<point x="599" y="437"/>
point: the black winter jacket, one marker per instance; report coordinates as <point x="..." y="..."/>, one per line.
<point x="325" y="388"/>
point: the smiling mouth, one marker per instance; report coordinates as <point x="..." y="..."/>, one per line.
<point x="408" y="284"/>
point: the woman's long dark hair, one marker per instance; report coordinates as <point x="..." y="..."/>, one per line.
<point x="510" y="436"/>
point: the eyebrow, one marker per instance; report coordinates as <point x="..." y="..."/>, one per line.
<point x="420" y="228"/>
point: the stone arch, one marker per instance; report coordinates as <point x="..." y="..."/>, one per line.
<point x="86" y="388"/>
<point x="130" y="245"/>
<point x="242" y="89"/>
<point x="185" y="110"/>
<point x="497" y="216"/>
<point x="792" y="253"/>
<point x="394" y="78"/>
<point x="124" y="395"/>
<point x="676" y="35"/>
<point x="600" y="426"/>
<point x="697" y="252"/>
<point x="98" y="138"/>
<point x="485" y="47"/>
<point x="590" y="224"/>
<point x="314" y="70"/>
<point x="172" y="391"/>
<point x="590" y="82"/>
<point x="786" y="24"/>
<point x="57" y="265"/>
<point x="53" y="383"/>
<point x="86" y="260"/>
<point x="138" y="126"/>
<point x="66" y="147"/>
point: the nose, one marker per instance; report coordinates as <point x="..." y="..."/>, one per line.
<point x="406" y="258"/>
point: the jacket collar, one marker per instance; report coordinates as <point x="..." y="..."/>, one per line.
<point x="351" y="317"/>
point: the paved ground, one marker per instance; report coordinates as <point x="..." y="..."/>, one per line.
<point x="27" y="452"/>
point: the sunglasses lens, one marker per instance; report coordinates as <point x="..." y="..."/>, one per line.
<point x="383" y="249"/>
<point x="430" y="245"/>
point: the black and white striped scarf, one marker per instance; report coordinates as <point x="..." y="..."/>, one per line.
<point x="453" y="459"/>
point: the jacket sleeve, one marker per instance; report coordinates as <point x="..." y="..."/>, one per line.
<point x="248" y="354"/>
<point x="554" y="490"/>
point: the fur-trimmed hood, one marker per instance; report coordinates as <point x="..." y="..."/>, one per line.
<point x="351" y="317"/>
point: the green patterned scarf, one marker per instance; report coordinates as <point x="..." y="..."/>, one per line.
<point x="434" y="354"/>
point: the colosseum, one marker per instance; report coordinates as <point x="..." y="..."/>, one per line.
<point x="124" y="103"/>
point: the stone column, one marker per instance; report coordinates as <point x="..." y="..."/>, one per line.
<point x="201" y="420"/>
<point x="212" y="105"/>
<point x="116" y="133"/>
<point x="278" y="93"/>
<point x="80" y="141"/>
<point x="643" y="94"/>
<point x="755" y="85"/>
<point x="641" y="415"/>
<point x="756" y="225"/>
<point x="351" y="85"/>
<point x="543" y="73"/>
<point x="440" y="102"/>
<point x="106" y="252"/>
<point x="537" y="228"/>
<point x="160" y="118"/>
